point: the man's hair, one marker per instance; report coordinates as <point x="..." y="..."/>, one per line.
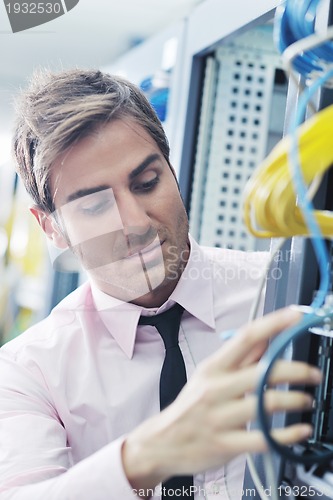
<point x="59" y="109"/>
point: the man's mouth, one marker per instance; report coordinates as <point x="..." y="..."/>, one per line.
<point x="115" y="246"/>
<point x="145" y="250"/>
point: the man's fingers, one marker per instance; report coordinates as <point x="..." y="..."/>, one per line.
<point x="286" y="401"/>
<point x="235" y="385"/>
<point x="236" y="442"/>
<point x="295" y="372"/>
<point x="238" y="413"/>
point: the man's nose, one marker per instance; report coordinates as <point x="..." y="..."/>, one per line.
<point x="133" y="214"/>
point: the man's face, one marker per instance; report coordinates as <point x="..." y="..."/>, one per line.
<point x="118" y="205"/>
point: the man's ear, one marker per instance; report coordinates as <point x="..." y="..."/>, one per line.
<point x="50" y="227"/>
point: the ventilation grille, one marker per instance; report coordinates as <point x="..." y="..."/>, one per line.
<point x="233" y="137"/>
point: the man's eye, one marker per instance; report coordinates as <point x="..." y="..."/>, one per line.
<point x="96" y="209"/>
<point x="147" y="186"/>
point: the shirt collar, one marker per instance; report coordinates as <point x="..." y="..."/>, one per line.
<point x="194" y="292"/>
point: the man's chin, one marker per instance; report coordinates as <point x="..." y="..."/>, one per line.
<point x="128" y="286"/>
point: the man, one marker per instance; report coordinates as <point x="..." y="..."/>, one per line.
<point x="79" y="392"/>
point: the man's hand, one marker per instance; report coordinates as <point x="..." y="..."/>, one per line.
<point x="205" y="426"/>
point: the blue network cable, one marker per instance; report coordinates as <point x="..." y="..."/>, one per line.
<point x="265" y="366"/>
<point x="300" y="187"/>
<point x="296" y="20"/>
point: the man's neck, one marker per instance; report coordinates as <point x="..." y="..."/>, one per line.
<point x="158" y="296"/>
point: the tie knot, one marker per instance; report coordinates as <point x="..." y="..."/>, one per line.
<point x="167" y="324"/>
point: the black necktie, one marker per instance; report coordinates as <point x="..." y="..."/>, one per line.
<point x="172" y="380"/>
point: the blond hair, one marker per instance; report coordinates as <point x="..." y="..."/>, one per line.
<point x="59" y="109"/>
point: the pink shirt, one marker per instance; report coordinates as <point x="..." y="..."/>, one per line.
<point x="73" y="386"/>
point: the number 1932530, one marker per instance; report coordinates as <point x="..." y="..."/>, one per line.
<point x="34" y="8"/>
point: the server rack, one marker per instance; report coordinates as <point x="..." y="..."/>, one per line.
<point x="207" y="179"/>
<point x="298" y="284"/>
<point x="235" y="85"/>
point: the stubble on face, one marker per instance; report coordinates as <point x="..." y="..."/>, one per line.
<point x="148" y="283"/>
<point x="112" y="257"/>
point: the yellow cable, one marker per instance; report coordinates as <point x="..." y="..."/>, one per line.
<point x="270" y="207"/>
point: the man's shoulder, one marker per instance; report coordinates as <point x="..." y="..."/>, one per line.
<point x="62" y="316"/>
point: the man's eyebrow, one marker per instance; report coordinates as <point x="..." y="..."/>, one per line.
<point x="146" y="162"/>
<point x="80" y="193"/>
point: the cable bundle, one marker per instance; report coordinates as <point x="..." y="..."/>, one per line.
<point x="270" y="197"/>
<point x="294" y="21"/>
<point x="275" y="199"/>
<point x="278" y="195"/>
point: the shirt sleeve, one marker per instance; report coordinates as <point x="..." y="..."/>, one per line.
<point x="35" y="458"/>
